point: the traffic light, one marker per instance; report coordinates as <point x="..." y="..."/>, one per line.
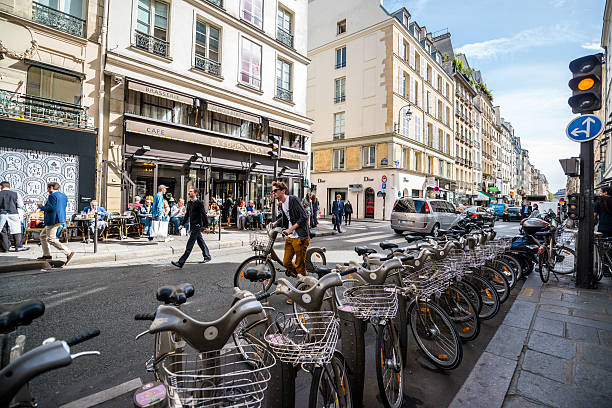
<point x="274" y="145"/>
<point x="574" y="206"/>
<point x="586" y="84"/>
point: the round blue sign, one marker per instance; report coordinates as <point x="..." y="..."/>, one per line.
<point x="584" y="128"/>
<point x="436" y="188"/>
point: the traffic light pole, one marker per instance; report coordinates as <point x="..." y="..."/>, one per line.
<point x="273" y="201"/>
<point x="584" y="241"/>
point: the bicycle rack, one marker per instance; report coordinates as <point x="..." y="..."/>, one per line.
<point x="352" y="332"/>
<point x="281" y="388"/>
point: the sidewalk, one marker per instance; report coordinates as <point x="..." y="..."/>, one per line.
<point x="121" y="250"/>
<point x="554" y="349"/>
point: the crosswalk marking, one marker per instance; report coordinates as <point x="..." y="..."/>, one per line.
<point x="375" y="238"/>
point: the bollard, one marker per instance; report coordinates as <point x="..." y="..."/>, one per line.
<point x="353" y="348"/>
<point x="281" y="388"/>
<point x="95" y="233"/>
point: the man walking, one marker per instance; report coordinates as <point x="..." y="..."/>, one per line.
<point x="338" y="211"/>
<point x="55" y="215"/>
<point x="10" y="203"/>
<point x="294" y="220"/>
<point x="196" y="215"/>
<point x="526" y="210"/>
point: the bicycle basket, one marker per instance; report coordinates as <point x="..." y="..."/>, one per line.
<point x="229" y="377"/>
<point x="566" y="237"/>
<point x="308" y="337"/>
<point x="379" y="301"/>
<point x="424" y="283"/>
<point x="260" y="241"/>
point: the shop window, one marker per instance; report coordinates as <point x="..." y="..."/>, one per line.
<point x="235" y="127"/>
<point x="250" y="64"/>
<point x="49" y="84"/>
<point x="252" y="12"/>
<point x="416" y="193"/>
<point x="154" y="107"/>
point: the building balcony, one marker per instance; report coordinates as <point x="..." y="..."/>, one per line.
<point x="207" y="65"/>
<point x="338" y="136"/>
<point x="284" y="37"/>
<point x="43" y="110"/>
<point x="341" y="65"/>
<point x="151" y="44"/>
<point x="56" y="19"/>
<point x="340" y="98"/>
<point x="218" y="3"/>
<point x="284" y="94"/>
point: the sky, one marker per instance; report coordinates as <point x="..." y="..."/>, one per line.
<point x="523" y="49"/>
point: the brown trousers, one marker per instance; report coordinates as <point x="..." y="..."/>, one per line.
<point x="297" y="247"/>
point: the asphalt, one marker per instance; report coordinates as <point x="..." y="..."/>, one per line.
<point x="106" y="295"/>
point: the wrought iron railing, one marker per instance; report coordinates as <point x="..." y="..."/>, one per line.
<point x="151" y="44"/>
<point x="341" y="65"/>
<point x="339" y="99"/>
<point x="284" y="36"/>
<point x="284" y="94"/>
<point x="338" y="136"/>
<point x="43" y="110"/>
<point x="207" y="65"/>
<point x="218" y="3"/>
<point x="56" y="19"/>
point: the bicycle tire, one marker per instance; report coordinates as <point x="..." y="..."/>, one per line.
<point x="254" y="287"/>
<point x="543" y="267"/>
<point x="329" y="382"/>
<point x="448" y="358"/>
<point x="388" y="353"/>
<point x="472" y="293"/>
<point x="515" y="264"/>
<point x="598" y="270"/>
<point x="565" y="261"/>
<point x="499" y="281"/>
<point x="488" y="294"/>
<point x="462" y="312"/>
<point x="505" y="268"/>
<point x="315" y="257"/>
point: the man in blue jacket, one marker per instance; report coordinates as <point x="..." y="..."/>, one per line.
<point x="338" y="211"/>
<point x="157" y="208"/>
<point x="94" y="208"/>
<point x="55" y="215"/>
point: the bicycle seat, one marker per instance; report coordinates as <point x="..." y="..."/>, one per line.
<point x="321" y="271"/>
<point x="364" y="250"/>
<point x="387" y="245"/>
<point x="175" y="294"/>
<point x="13" y="315"/>
<point x="412" y="238"/>
<point x="258" y="274"/>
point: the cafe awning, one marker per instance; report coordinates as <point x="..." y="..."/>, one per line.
<point x="162" y="93"/>
<point x="224" y="110"/>
<point x="289" y="128"/>
<point x="480" y="196"/>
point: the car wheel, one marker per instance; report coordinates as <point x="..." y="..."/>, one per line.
<point x="398" y="231"/>
<point x="435" y="231"/>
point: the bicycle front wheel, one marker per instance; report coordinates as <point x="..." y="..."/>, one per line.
<point x="254" y="287"/>
<point x="543" y="266"/>
<point x="462" y="312"/>
<point x="389" y="366"/>
<point x="435" y="334"/>
<point x="488" y="295"/>
<point x="597" y="264"/>
<point x="330" y="386"/>
<point x="564" y="262"/>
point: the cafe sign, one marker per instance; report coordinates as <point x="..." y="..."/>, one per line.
<point x="173" y="96"/>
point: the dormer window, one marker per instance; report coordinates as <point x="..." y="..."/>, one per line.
<point x="405" y="19"/>
<point x="341" y="27"/>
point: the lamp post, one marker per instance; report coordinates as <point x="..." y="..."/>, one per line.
<point x="408" y="114"/>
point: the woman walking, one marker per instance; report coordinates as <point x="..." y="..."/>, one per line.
<point x="307" y="207"/>
<point x="348" y="211"/>
<point x="315" y="211"/>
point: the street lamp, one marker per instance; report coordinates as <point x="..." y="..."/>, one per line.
<point x="408" y="114"/>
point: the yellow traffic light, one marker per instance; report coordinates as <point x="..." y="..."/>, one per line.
<point x="586" y="84"/>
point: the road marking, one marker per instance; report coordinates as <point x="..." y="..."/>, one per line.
<point x="102" y="396"/>
<point x="527" y="292"/>
<point x="335" y="236"/>
<point x="59" y="294"/>
<point x="80" y="295"/>
<point x="374" y="238"/>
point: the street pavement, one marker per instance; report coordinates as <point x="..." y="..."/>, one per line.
<point x="107" y="295"/>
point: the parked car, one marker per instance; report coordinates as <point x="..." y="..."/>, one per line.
<point x="512" y="214"/>
<point x="481" y="216"/>
<point x="422" y="215"/>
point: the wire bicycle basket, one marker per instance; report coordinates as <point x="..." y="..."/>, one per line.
<point x="260" y="241"/>
<point x="304" y="338"/>
<point x="229" y="377"/>
<point x="371" y="301"/>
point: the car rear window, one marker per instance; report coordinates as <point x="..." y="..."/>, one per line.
<point x="404" y="206"/>
<point x="513" y="210"/>
<point x="419" y="206"/>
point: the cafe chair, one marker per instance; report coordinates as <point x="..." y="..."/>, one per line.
<point x="33" y="219"/>
<point x="132" y="224"/>
<point x="74" y="225"/>
<point x="114" y="226"/>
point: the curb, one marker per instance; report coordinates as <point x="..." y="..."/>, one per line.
<point x="121" y="256"/>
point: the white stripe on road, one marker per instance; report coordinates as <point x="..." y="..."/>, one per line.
<point x="335" y="236"/>
<point x="80" y="295"/>
<point x="59" y="294"/>
<point x="102" y="396"/>
<point x="374" y="238"/>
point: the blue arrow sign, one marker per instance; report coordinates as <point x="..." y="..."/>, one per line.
<point x="584" y="128"/>
<point x="384" y="186"/>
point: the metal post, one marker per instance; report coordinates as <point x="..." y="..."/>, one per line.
<point x="274" y="179"/>
<point x="584" y="241"/>
<point x="384" y="204"/>
<point x="353" y="348"/>
<point x="95" y="233"/>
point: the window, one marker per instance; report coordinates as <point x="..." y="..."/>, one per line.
<point x="340" y="90"/>
<point x="428" y="73"/>
<point x="416" y="193"/>
<point x="416" y="93"/>
<point x="154" y="107"/>
<point x="152" y="27"/>
<point x="339" y="126"/>
<point x="250" y="64"/>
<point x="405" y="51"/>
<point x="369" y="156"/>
<point x="402" y="83"/>
<point x="341" y="57"/>
<point x="53" y="85"/>
<point x="72" y="7"/>
<point x="341" y="27"/>
<point x="339" y="159"/>
<point x="70" y="22"/>
<point x="417" y="161"/>
<point x="283" y="80"/>
<point x="235" y="127"/>
<point x="252" y="12"/>
<point x="207" y="48"/>
<point x="417" y="128"/>
<point x="440" y="167"/>
<point x="404" y="163"/>
<point x="406" y="123"/>
<point x="283" y="27"/>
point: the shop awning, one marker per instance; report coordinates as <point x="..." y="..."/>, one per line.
<point x="162" y="93"/>
<point x="233" y="113"/>
<point x="289" y="128"/>
<point x="480" y="196"/>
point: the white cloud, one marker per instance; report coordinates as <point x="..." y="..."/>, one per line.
<point x="558" y="3"/>
<point x="530" y="38"/>
<point x="595" y="46"/>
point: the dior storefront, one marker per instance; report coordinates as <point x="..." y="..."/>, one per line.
<point x="32" y="155"/>
<point x="182" y="142"/>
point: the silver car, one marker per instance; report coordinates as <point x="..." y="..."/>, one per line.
<point x="422" y="215"/>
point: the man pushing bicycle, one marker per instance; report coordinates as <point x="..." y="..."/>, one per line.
<point x="294" y="220"/>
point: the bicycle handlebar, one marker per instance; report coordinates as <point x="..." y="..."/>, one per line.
<point x="348" y="271"/>
<point x="263" y="296"/>
<point x="145" y="316"/>
<point x="83" y="337"/>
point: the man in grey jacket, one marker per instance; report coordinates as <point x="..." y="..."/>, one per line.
<point x="10" y="203"/>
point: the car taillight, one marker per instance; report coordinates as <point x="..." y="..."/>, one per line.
<point x="427" y="209"/>
<point x="474" y="215"/>
<point x="394" y="204"/>
<point x="505" y="213"/>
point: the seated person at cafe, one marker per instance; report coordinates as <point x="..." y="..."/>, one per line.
<point x="213" y="215"/>
<point x="177" y="213"/>
<point x="254" y="215"/>
<point x="144" y="215"/>
<point x="135" y="205"/>
<point x="242" y="219"/>
<point x="92" y="209"/>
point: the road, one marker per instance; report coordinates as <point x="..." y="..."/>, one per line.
<point x="107" y="296"/>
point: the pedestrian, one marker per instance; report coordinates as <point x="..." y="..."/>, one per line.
<point x="314" y="221"/>
<point x="196" y="214"/>
<point x="338" y="211"/>
<point x="294" y="221"/>
<point x="227" y="208"/>
<point x="535" y="211"/>
<point x="157" y="208"/>
<point x="348" y="212"/>
<point x="144" y="215"/>
<point x="603" y="211"/>
<point x="55" y="215"/>
<point x="307" y="206"/>
<point x="10" y="205"/>
<point x="95" y="210"/>
<point x="526" y="210"/>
